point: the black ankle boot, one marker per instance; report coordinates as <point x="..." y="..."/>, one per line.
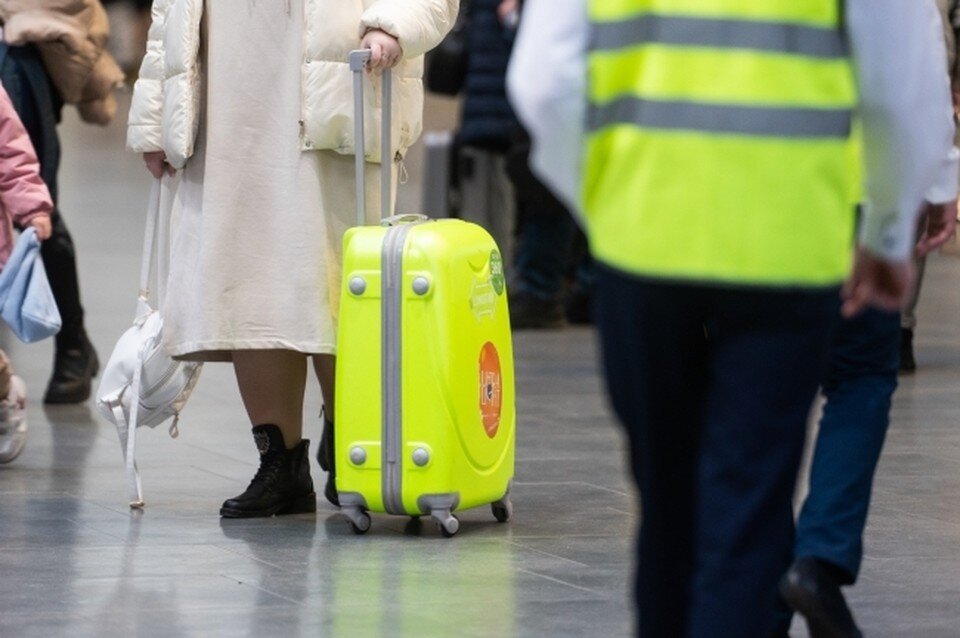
<point x="328" y="462"/>
<point x="74" y="367"/>
<point x="282" y="485"/>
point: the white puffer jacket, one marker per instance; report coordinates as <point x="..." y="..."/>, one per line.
<point x="165" y="113"/>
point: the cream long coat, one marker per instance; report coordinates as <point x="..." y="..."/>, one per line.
<point x="71" y="36"/>
<point x="164" y="114"/>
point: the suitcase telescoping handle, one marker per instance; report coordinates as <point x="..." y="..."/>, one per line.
<point x="359" y="60"/>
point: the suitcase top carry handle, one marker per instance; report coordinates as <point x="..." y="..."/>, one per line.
<point x="359" y="60"/>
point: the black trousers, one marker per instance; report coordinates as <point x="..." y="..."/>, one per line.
<point x="38" y="104"/>
<point x="714" y="386"/>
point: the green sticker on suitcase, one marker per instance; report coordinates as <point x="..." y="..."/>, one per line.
<point x="496" y="272"/>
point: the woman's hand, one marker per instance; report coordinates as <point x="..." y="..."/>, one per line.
<point x="156" y="162"/>
<point x="385" y="50"/>
<point x="41" y="224"/>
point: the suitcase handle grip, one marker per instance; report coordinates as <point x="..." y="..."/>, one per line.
<point x="359" y="59"/>
<point x="407" y="218"/>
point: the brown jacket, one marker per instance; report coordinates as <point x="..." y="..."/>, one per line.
<point x="71" y="36"/>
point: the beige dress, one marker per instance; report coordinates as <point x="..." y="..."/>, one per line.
<point x="256" y="247"/>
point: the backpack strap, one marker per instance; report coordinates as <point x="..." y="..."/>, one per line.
<point x="128" y="435"/>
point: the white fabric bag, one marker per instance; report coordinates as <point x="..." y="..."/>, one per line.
<point x="141" y="384"/>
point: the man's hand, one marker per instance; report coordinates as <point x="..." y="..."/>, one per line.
<point x="940" y="225"/>
<point x="385" y="50"/>
<point x="876" y="282"/>
<point x="156" y="162"/>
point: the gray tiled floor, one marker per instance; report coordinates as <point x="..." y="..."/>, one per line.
<point x="75" y="561"/>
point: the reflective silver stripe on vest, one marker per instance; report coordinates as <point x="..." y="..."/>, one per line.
<point x="778" y="37"/>
<point x="733" y="119"/>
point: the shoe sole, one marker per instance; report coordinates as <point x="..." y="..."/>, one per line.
<point x="14" y="452"/>
<point x="65" y="399"/>
<point x="806" y="605"/>
<point x="302" y="505"/>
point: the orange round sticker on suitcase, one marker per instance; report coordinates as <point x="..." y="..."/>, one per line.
<point x="491" y="398"/>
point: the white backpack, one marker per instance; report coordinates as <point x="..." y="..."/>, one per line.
<point x="141" y="384"/>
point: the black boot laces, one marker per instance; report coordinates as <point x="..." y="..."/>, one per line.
<point x="270" y="470"/>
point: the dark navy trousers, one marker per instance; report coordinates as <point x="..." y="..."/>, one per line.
<point x="714" y="388"/>
<point x="858" y="388"/>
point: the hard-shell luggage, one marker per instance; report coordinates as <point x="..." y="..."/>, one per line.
<point x="425" y="414"/>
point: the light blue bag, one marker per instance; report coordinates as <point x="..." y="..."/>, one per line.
<point x="26" y="301"/>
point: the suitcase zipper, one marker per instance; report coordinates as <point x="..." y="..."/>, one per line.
<point x="391" y="366"/>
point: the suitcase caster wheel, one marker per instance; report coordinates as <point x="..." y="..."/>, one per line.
<point x="449" y="527"/>
<point x="361" y="525"/>
<point x="502" y="511"/>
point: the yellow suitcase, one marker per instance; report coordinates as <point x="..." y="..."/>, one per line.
<point x="425" y="404"/>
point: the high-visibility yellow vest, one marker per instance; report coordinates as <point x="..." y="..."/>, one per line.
<point x="720" y="146"/>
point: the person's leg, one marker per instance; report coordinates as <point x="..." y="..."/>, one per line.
<point x="36" y="101"/>
<point x="543" y="248"/>
<point x="272" y="385"/>
<point x="653" y="353"/>
<point x="540" y="265"/>
<point x="579" y="301"/>
<point x="324" y="366"/>
<point x="858" y="388"/>
<point x="767" y="353"/>
<point x="908" y="321"/>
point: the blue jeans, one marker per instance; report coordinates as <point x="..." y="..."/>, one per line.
<point x="858" y="387"/>
<point x="714" y="387"/>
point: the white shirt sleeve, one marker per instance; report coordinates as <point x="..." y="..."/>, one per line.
<point x="945" y="187"/>
<point x="905" y="106"/>
<point x="547" y="84"/>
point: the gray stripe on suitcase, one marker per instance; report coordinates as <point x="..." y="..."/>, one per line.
<point x="391" y="366"/>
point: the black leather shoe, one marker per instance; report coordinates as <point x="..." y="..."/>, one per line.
<point x="282" y="485"/>
<point x="73" y="370"/>
<point x="328" y="462"/>
<point x="907" y="363"/>
<point x="812" y="589"/>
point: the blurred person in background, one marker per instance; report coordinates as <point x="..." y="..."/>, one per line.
<point x="24" y="201"/>
<point x="129" y="24"/>
<point x="908" y="323"/>
<point x="858" y="388"/>
<point x="519" y="204"/>
<point x="710" y="152"/>
<point x="53" y="53"/>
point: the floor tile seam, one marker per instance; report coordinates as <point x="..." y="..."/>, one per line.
<point x="559" y="581"/>
<point x="248" y="556"/>
<point x="546" y="553"/>
<point x="123" y="540"/>
<point x="260" y="588"/>
<point x="583" y="483"/>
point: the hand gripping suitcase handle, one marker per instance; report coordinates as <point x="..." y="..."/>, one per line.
<point x="358" y="64"/>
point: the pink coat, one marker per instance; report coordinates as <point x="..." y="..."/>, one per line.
<point x="23" y="195"/>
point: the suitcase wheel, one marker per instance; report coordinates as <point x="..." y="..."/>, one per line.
<point x="446" y="522"/>
<point x="360" y="523"/>
<point x="502" y="510"/>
